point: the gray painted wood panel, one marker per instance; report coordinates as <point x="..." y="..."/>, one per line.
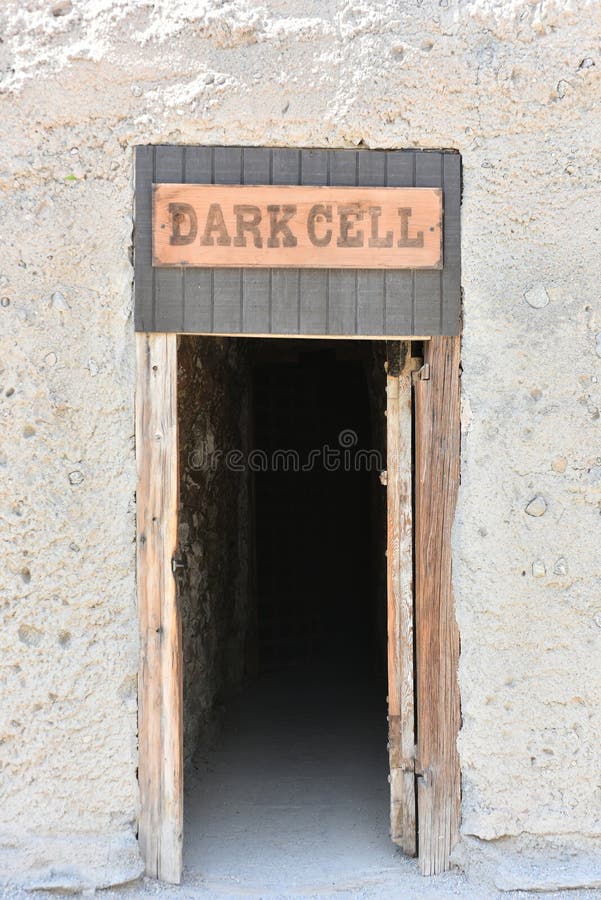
<point x="364" y="302"/>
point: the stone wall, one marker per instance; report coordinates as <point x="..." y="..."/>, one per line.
<point x="514" y="87"/>
<point x="214" y="585"/>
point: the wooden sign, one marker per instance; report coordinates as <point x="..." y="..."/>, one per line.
<point x="331" y="272"/>
<point x="245" y="226"/>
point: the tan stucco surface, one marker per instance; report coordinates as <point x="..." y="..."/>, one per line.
<point x="514" y="86"/>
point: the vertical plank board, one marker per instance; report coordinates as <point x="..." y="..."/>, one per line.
<point x="143" y="274"/>
<point x="427" y="284"/>
<point x="342" y="302"/>
<point x="399" y="302"/>
<point x="285" y="165"/>
<point x="428" y="169"/>
<point x="427" y="302"/>
<point x="314" y="166"/>
<point x="285" y="301"/>
<point x="344" y="167"/>
<point x="342" y="285"/>
<point x="227" y="301"/>
<point x="401" y="710"/>
<point x="256" y="284"/>
<point x="256" y="165"/>
<point x="371" y="167"/>
<point x="227" y="165"/>
<point x="371" y="314"/>
<point x="285" y="298"/>
<point x="255" y="301"/>
<point x="437" y="638"/>
<point x="160" y="724"/>
<point x="198" y="283"/>
<point x="313" y="289"/>
<point x="398" y="286"/>
<point x="400" y="168"/>
<point x="198" y="301"/>
<point x="198" y="165"/>
<point x="228" y="168"/>
<point x="168" y="283"/>
<point x="313" y="283"/>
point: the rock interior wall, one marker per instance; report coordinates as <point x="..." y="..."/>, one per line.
<point x="214" y="585"/>
<point x="514" y="87"/>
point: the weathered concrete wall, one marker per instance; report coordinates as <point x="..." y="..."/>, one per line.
<point x="513" y="86"/>
<point x="214" y="584"/>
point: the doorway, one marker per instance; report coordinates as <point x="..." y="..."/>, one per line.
<point x="427" y="760"/>
<point x="282" y="538"/>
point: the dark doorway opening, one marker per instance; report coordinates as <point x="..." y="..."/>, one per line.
<point x="315" y="526"/>
<point x="283" y="595"/>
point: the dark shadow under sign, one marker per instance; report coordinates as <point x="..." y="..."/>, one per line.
<point x="366" y="296"/>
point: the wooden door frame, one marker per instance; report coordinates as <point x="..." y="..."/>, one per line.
<point x="160" y="682"/>
<point x="436" y="395"/>
<point x="420" y="609"/>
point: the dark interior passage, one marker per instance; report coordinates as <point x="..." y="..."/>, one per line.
<point x="283" y="594"/>
<point x="313" y="515"/>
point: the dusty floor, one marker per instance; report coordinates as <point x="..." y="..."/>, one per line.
<point x="297" y="795"/>
<point x="293" y="802"/>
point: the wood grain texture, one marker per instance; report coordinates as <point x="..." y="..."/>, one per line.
<point x="160" y="677"/>
<point x="437" y="436"/>
<point x="401" y="709"/>
<point x="297" y="226"/>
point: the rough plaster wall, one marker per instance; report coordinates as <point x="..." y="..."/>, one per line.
<point x="214" y="584"/>
<point x="513" y="86"/>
